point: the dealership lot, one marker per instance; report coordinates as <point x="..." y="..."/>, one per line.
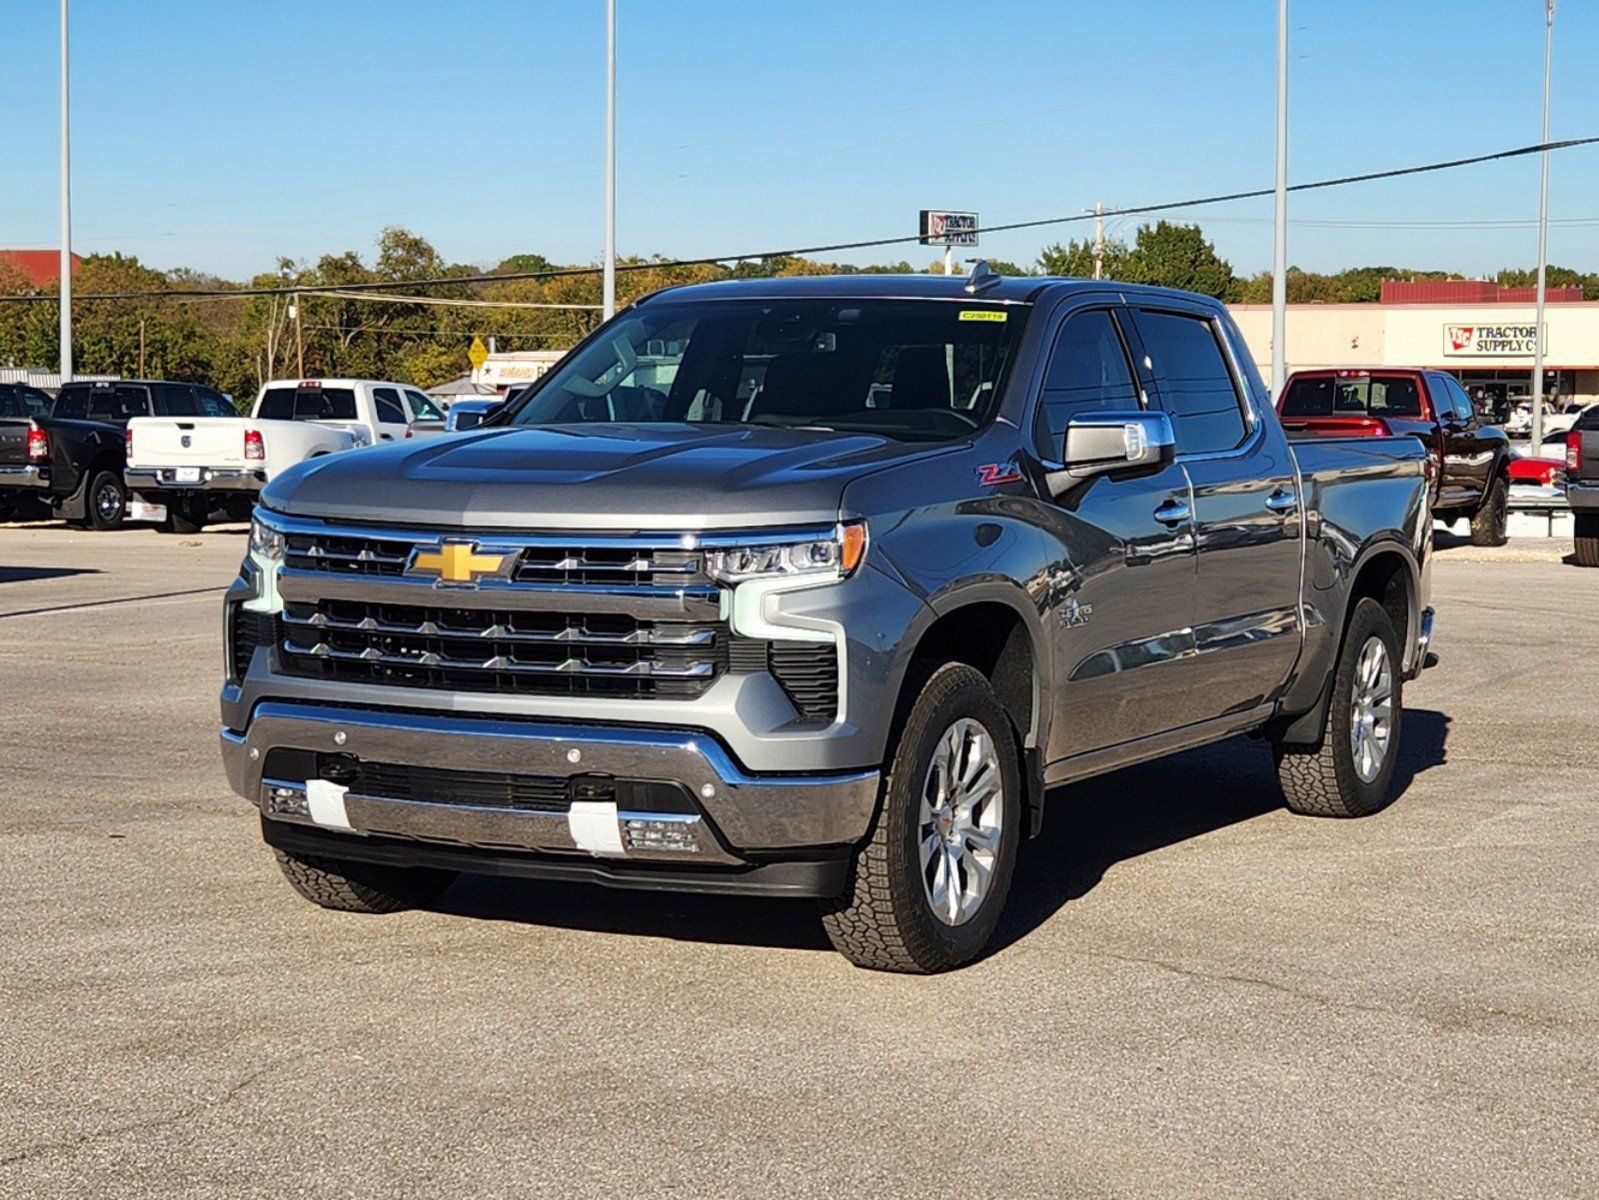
<point x="1194" y="992"/>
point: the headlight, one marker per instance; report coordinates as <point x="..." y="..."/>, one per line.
<point x="834" y="557"/>
<point x="266" y="540"/>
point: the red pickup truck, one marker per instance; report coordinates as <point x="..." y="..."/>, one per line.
<point x="1471" y="459"/>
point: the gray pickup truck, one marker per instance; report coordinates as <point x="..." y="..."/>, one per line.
<point x="812" y="588"/>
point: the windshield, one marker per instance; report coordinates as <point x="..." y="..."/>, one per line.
<point x="914" y="369"/>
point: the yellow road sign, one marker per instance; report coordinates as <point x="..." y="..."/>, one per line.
<point x="479" y="353"/>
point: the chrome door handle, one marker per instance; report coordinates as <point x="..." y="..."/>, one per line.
<point x="1281" y="502"/>
<point x="1173" y="512"/>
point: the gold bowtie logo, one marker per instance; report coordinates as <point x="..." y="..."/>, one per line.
<point x="459" y="564"/>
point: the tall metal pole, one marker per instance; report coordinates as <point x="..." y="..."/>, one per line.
<point x="1099" y="239"/>
<point x="1543" y="237"/>
<point x="1279" y="264"/>
<point x="66" y="211"/>
<point x="610" y="160"/>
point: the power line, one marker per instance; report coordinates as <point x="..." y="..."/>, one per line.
<point x="450" y="302"/>
<point x="829" y="248"/>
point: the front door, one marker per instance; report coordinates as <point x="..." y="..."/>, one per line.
<point x="1246" y="510"/>
<point x="1468" y="454"/>
<point x="1119" y="590"/>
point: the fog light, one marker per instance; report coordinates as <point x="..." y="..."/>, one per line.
<point x="658" y="833"/>
<point x="286" y="802"/>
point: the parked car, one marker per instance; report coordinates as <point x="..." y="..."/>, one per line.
<point x="181" y="469"/>
<point x="21" y="476"/>
<point x="469" y="414"/>
<point x="74" y="457"/>
<point x="717" y="621"/>
<point x="1537" y="472"/>
<point x="1471" y="458"/>
<point x="1582" y="484"/>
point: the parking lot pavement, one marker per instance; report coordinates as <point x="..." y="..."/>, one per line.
<point x="1195" y="993"/>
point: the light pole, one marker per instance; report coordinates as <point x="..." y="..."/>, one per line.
<point x="609" y="301"/>
<point x="66" y="212"/>
<point x="1279" y="262"/>
<point x="1543" y="237"/>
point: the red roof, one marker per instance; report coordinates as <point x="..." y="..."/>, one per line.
<point x="40" y="266"/>
<point x="1469" y="291"/>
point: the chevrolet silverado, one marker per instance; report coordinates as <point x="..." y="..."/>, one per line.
<point x="812" y="588"/>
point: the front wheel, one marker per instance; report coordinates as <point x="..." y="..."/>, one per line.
<point x="1490" y="524"/>
<point x="361" y="887"/>
<point x="928" y="886"/>
<point x="1587" y="538"/>
<point x="1350" y="772"/>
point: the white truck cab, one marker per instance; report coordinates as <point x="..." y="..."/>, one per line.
<point x="180" y="469"/>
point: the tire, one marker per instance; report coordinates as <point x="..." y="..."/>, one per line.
<point x="361" y="887"/>
<point x="1587" y="539"/>
<point x="105" y="501"/>
<point x="886" y="919"/>
<point x="1489" y="523"/>
<point x="181" y="519"/>
<point x="1329" y="779"/>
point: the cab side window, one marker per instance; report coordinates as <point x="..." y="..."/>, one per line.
<point x="1196" y="384"/>
<point x="1088" y="371"/>
<point x="387" y="401"/>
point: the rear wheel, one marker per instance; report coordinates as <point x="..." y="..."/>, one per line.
<point x="1490" y="523"/>
<point x="1350" y="772"/>
<point x="106" y="501"/>
<point x="361" y="887"/>
<point x="1587" y="531"/>
<point x="184" y="518"/>
<point x="928" y="886"/>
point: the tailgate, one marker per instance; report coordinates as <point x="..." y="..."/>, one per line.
<point x="186" y="441"/>
<point x="13" y="442"/>
<point x="1336" y="426"/>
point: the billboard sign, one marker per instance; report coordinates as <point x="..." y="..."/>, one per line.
<point x="1491" y="341"/>
<point x="948" y="228"/>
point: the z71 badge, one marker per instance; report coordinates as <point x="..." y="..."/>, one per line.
<point x="994" y="474"/>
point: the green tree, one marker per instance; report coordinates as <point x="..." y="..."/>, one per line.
<point x="1177" y="256"/>
<point x="1075" y="260"/>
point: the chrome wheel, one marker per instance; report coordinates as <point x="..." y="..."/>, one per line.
<point x="108" y="501"/>
<point x="961" y="821"/>
<point x="1371" y="726"/>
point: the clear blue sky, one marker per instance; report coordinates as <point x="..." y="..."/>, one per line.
<point x="221" y="136"/>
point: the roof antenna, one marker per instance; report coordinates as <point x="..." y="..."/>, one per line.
<point x="982" y="277"/>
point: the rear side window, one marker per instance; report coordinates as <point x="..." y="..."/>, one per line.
<point x="1196" y="384"/>
<point x="307" y="404"/>
<point x="1088" y="372"/>
<point x="214" y="404"/>
<point x="387" y="401"/>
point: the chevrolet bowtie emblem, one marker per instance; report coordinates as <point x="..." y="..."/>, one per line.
<point x="459" y="564"/>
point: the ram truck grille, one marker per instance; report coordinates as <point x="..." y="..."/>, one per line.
<point x="501" y="650"/>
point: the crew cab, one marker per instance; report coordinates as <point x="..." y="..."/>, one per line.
<point x="812" y="588"/>
<point x="182" y="469"/>
<point x="1582" y="484"/>
<point x="74" y="457"/>
<point x="1470" y="457"/>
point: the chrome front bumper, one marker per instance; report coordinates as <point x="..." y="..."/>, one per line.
<point x="163" y="479"/>
<point x="739" y="813"/>
<point x="22" y="477"/>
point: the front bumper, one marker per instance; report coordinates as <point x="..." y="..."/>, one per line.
<point x="739" y="816"/>
<point x="164" y="479"/>
<point x="29" y="476"/>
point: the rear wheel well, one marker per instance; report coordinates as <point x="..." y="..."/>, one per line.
<point x="1385" y="578"/>
<point x="992" y="638"/>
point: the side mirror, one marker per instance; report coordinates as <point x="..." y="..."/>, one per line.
<point x="458" y="420"/>
<point x="1109" y="443"/>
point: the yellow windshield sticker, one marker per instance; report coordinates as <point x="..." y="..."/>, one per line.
<point x="982" y="314"/>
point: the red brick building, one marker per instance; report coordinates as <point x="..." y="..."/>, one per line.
<point x="40" y="266"/>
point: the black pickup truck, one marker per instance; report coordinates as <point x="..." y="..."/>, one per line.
<point x="20" y="407"/>
<point x="73" y="459"/>
<point x="1582" y="484"/>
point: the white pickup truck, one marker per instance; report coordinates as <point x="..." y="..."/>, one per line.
<point x="181" y="469"/>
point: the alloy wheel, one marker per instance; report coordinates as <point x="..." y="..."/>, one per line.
<point x="961" y="821"/>
<point x="1371" y="726"/>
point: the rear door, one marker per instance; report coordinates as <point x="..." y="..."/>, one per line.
<point x="1246" y="508"/>
<point x="1121" y="600"/>
<point x="1468" y="450"/>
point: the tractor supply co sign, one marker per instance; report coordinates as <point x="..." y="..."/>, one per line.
<point x="1488" y="341"/>
<point x="948" y="228"/>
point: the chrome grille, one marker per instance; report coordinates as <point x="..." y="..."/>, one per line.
<point x="476" y="649"/>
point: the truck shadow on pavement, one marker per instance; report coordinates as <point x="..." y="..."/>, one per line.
<point x="25" y="574"/>
<point x="1088" y="828"/>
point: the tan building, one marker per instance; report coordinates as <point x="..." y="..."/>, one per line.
<point x="1488" y="347"/>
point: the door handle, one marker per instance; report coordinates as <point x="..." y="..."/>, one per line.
<point x="1173" y="512"/>
<point x="1282" y="502"/>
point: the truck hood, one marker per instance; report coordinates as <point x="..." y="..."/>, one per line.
<point x="623" y="477"/>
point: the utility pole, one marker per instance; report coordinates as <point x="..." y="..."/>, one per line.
<point x="609" y="304"/>
<point x="949" y="258"/>
<point x="299" y="338"/>
<point x="1099" y="240"/>
<point x="1279" y="265"/>
<point x="66" y="211"/>
<point x="141" y="348"/>
<point x="1543" y="238"/>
